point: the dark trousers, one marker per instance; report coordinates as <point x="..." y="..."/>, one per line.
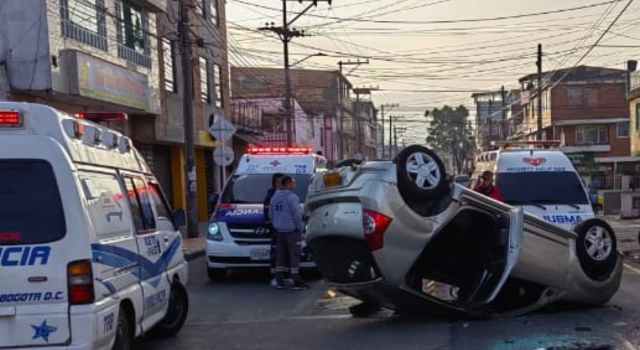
<point x="288" y="249"/>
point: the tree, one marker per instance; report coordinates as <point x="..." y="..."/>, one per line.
<point x="450" y="133"/>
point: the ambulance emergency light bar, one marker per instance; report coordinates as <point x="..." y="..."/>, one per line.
<point x="280" y="150"/>
<point x="103" y="116"/>
<point x="10" y="119"/>
<point x="539" y="144"/>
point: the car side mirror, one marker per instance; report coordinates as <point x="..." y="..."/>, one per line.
<point x="179" y="218"/>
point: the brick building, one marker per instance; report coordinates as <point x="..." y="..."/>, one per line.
<point x="588" y="113"/>
<point x="325" y="96"/>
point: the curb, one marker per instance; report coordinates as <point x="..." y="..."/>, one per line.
<point x="190" y="255"/>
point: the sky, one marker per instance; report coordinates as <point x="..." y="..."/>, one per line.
<point x="424" y="54"/>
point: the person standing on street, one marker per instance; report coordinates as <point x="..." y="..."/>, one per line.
<point x="486" y="186"/>
<point x="286" y="215"/>
<point x="275" y="185"/>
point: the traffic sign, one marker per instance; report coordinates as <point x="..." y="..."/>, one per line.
<point x="223" y="156"/>
<point x="221" y="128"/>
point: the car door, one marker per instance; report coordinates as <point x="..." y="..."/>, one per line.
<point x="115" y="250"/>
<point x="152" y="254"/>
<point x="171" y="237"/>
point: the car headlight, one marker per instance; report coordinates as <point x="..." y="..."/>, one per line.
<point x="213" y="233"/>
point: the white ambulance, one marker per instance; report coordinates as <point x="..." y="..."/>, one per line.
<point x="540" y="179"/>
<point x="90" y="257"/>
<point x="238" y="235"/>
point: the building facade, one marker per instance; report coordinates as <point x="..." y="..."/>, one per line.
<point x="584" y="108"/>
<point x="325" y="96"/>
<point x="121" y="56"/>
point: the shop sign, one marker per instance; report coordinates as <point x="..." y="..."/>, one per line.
<point x="108" y="82"/>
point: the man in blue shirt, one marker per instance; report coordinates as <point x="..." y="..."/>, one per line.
<point x="286" y="216"/>
<point x="275" y="184"/>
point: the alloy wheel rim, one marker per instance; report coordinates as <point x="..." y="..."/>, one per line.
<point x="598" y="243"/>
<point x="423" y="170"/>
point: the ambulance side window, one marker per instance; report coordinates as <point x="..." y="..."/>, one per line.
<point x="106" y="204"/>
<point x="160" y="204"/>
<point x="140" y="205"/>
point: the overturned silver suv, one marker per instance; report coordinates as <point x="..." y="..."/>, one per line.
<point x="401" y="235"/>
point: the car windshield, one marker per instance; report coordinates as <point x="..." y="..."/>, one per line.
<point x="541" y="188"/>
<point x="253" y="188"/>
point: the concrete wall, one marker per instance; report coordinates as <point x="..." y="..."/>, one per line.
<point x="23" y="25"/>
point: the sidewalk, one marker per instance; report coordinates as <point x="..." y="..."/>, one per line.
<point x="627" y="235"/>
<point x="194" y="248"/>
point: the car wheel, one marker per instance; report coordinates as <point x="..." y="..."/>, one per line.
<point x="124" y="331"/>
<point x="217" y="275"/>
<point x="421" y="175"/>
<point x="596" y="248"/>
<point x="177" y="313"/>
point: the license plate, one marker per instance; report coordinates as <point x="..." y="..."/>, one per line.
<point x="260" y="253"/>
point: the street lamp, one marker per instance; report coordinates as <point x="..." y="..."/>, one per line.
<point x="319" y="54"/>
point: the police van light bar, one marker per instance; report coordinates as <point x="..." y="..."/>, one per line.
<point x="10" y="119"/>
<point x="280" y="150"/>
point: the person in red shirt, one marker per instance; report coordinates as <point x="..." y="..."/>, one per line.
<point x="486" y="186"/>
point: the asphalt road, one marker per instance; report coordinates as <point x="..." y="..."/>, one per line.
<point x="245" y="313"/>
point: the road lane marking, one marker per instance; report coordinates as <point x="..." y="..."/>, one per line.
<point x="633" y="269"/>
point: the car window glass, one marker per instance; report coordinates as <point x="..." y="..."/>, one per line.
<point x="159" y="203"/>
<point x="554" y="187"/>
<point x="27" y="188"/>
<point x="253" y="188"/>
<point x="142" y="194"/>
<point x="136" y="209"/>
<point x="106" y="204"/>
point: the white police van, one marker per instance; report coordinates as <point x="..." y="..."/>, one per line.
<point x="540" y="179"/>
<point x="90" y="257"/>
<point x="238" y="235"/>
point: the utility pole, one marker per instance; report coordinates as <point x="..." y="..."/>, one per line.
<point x="503" y="98"/>
<point x="187" y="114"/>
<point x="341" y="65"/>
<point x="395" y="141"/>
<point x="286" y="35"/>
<point x="539" y="64"/>
<point x="390" y="105"/>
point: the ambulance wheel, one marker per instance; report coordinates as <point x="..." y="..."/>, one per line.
<point x="217" y="275"/>
<point x="124" y="331"/>
<point x="176" y="313"/>
<point x="421" y="175"/>
<point x="597" y="249"/>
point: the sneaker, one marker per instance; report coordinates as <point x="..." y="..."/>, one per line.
<point x="274" y="282"/>
<point x="278" y="283"/>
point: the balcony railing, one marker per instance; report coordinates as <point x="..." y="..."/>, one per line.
<point x="134" y="56"/>
<point x="85" y="36"/>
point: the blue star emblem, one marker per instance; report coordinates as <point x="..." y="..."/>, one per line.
<point x="43" y="331"/>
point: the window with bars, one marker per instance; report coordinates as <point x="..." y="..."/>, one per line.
<point x="205" y="89"/>
<point x="213" y="12"/>
<point x="217" y="80"/>
<point x="133" y="39"/>
<point x="592" y="135"/>
<point x="84" y="21"/>
<point x="169" y="62"/>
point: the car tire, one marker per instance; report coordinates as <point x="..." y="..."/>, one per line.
<point x="421" y="175"/>
<point x="124" y="331"/>
<point x="176" y="315"/>
<point x="596" y="248"/>
<point x="217" y="275"/>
